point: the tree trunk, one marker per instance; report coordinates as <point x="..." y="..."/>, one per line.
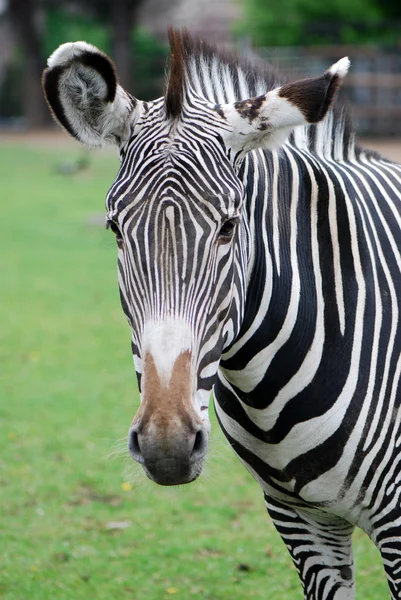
<point x="121" y="20"/>
<point x="123" y="15"/>
<point x="22" y="13"/>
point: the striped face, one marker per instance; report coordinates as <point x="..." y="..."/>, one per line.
<point x="176" y="210"/>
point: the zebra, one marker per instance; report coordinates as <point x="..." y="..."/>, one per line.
<point x="258" y="257"/>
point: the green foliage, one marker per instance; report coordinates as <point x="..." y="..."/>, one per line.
<point x="308" y="22"/>
<point x="390" y="8"/>
<point x="62" y="26"/>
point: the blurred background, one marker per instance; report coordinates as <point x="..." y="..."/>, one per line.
<point x="302" y="36"/>
<point x="75" y="525"/>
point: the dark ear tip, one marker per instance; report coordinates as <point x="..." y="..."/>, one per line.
<point x="321" y="108"/>
<point x="314" y="96"/>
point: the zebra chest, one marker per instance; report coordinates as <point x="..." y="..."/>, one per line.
<point x="286" y="452"/>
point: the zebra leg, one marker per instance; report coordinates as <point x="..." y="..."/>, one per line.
<point x="386" y="535"/>
<point x="321" y="548"/>
<point x="390" y="551"/>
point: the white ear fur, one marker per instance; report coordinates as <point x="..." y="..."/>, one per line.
<point x="81" y="89"/>
<point x="69" y="51"/>
<point x="266" y="126"/>
<point x="341" y="67"/>
<point x="266" y="121"/>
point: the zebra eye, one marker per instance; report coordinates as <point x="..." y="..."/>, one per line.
<point x="114" y="228"/>
<point x="227" y="229"/>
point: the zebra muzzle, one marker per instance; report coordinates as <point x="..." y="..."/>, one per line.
<point x="168" y="437"/>
<point x="175" y="461"/>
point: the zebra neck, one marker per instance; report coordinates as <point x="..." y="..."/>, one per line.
<point x="290" y="284"/>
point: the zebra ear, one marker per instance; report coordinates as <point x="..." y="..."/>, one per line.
<point x="80" y="86"/>
<point x="266" y="121"/>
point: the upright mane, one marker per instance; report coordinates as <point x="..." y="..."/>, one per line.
<point x="212" y="73"/>
<point x="220" y="77"/>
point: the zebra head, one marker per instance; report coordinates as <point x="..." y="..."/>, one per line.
<point x="177" y="210"/>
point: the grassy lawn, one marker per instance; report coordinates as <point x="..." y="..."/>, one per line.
<point x="74" y="522"/>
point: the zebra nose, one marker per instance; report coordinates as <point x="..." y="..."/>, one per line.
<point x="198" y="451"/>
<point x="134" y="447"/>
<point x="169" y="459"/>
<point x="199" y="446"/>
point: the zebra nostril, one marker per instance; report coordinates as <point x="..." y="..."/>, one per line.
<point x="199" y="447"/>
<point x="134" y="447"/>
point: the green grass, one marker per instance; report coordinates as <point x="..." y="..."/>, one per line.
<point x="68" y="394"/>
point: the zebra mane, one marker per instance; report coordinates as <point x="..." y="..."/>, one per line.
<point x="212" y="73"/>
<point x="222" y="77"/>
